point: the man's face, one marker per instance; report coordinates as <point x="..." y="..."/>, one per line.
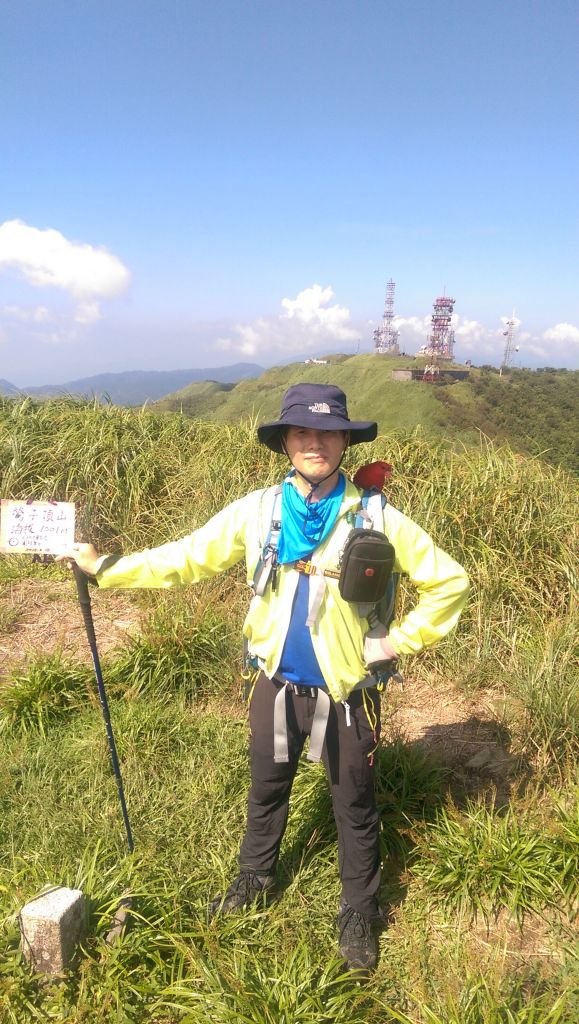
<point x="315" y="453"/>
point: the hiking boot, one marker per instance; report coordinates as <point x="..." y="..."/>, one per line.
<point x="246" y="889"/>
<point x="358" y="941"/>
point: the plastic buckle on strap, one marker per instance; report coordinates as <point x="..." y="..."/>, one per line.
<point x="304" y="691"/>
<point x="306" y="568"/>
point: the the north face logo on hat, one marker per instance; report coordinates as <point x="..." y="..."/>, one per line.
<point x="319" y="407"/>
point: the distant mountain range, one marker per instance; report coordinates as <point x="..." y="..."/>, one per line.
<point x="134" y="387"/>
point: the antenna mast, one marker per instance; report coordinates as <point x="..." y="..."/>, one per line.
<point x="510" y="335"/>
<point x="386" y="336"/>
<point x="440" y="341"/>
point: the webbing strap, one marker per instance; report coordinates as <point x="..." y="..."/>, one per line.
<point x="318" y="731"/>
<point x="268" y="559"/>
<point x="280" y="747"/>
<point x="369" y="514"/>
<point x="319" y="724"/>
<point x="316" y="588"/>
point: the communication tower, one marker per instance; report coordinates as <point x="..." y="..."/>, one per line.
<point x="440" y="341"/>
<point x="510" y="336"/>
<point x="386" y="336"/>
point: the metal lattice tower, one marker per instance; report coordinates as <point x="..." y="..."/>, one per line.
<point x="440" y="341"/>
<point x="510" y="335"/>
<point x="386" y="336"/>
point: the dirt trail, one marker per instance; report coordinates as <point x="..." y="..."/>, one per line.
<point x="38" y="617"/>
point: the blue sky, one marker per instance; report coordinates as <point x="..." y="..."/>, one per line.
<point x="189" y="184"/>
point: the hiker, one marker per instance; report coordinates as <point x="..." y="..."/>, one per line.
<point x="312" y="650"/>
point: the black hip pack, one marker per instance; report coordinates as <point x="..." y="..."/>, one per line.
<point x="365" y="567"/>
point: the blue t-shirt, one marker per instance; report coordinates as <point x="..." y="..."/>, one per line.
<point x="298" y="661"/>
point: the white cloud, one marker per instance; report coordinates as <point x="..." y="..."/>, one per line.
<point x="540" y="351"/>
<point x="308" y="323"/>
<point x="35" y="315"/>
<point x="475" y="340"/>
<point x="87" y="313"/>
<point x="310" y="307"/>
<point x="412" y="327"/>
<point x="566" y="334"/>
<point x="470" y="335"/>
<point x="468" y="332"/>
<point x="556" y="346"/>
<point x="46" y="259"/>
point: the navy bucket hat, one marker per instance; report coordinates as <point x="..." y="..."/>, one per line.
<point x="320" y="406"/>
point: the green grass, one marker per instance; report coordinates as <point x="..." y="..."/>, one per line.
<point x="47" y="691"/>
<point x="185" y="777"/>
<point x="479" y="1004"/>
<point x="181" y="732"/>
<point x="480" y="863"/>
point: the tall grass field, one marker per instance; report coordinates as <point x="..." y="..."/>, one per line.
<point x="481" y="857"/>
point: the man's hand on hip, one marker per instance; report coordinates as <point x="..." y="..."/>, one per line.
<point x="378" y="648"/>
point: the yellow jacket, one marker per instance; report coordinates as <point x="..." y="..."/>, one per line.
<point x="241" y="529"/>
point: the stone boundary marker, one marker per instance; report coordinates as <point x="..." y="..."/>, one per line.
<point x="51" y="926"/>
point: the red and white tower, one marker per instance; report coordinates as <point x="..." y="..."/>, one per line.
<point x="440" y="341"/>
<point x="386" y="336"/>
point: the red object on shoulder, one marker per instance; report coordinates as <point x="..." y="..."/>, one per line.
<point x="373" y="475"/>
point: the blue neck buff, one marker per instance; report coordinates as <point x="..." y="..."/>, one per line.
<point x="305" y="524"/>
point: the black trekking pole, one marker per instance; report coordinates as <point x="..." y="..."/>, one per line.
<point x="84" y="599"/>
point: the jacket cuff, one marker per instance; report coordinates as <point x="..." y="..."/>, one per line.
<point x="105" y="563"/>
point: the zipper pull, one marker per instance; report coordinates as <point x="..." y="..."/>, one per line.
<point x="347" y="710"/>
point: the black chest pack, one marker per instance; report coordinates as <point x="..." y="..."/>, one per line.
<point x="366" y="566"/>
<point x="365" y="572"/>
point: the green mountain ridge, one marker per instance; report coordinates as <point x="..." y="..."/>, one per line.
<point x="366" y="379"/>
<point x="535" y="412"/>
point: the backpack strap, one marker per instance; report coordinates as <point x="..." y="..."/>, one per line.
<point x="266" y="567"/>
<point x="370" y="510"/>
